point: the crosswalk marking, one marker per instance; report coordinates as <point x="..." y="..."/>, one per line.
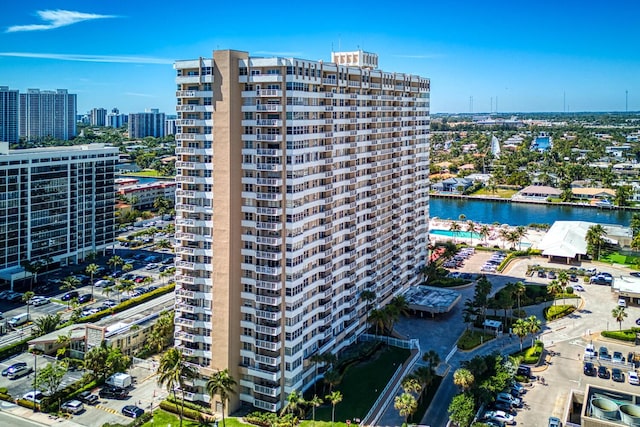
<point x="106" y="409"/>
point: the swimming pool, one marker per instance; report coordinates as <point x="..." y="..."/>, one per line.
<point x="456" y="234"/>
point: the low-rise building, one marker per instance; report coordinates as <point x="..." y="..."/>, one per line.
<point x="142" y="195"/>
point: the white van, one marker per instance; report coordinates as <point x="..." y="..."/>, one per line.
<point x="120" y="379"/>
<point x="18" y="320"/>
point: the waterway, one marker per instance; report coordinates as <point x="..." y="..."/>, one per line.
<point x="489" y="212"/>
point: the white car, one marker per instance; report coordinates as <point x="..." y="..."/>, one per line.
<point x="500" y="416"/>
<point x="73" y="407"/>
<point x="633" y="378"/>
<point x="578" y="288"/>
<point x="34" y="396"/>
<point x="38" y="301"/>
<point x="101" y="283"/>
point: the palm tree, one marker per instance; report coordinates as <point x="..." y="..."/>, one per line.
<point x="295" y="402"/>
<point x="463" y="378"/>
<point x="92" y="269"/>
<point x="471" y="228"/>
<point x="46" y="324"/>
<point x="115" y="261"/>
<point x="378" y="319"/>
<point x="519" y="290"/>
<point x="410" y="384"/>
<point x="563" y="279"/>
<point x="163" y="244"/>
<point x="69" y="283"/>
<point x="455" y="228"/>
<point x="469" y="313"/>
<point x="619" y="313"/>
<point x="484" y="232"/>
<point x="595" y="239"/>
<point x="315" y="402"/>
<point x="368" y="297"/>
<point x="521" y="232"/>
<point x="26" y="297"/>
<point x="534" y="325"/>
<point x="554" y="288"/>
<point x="335" y="398"/>
<point x="432" y="358"/>
<point x="406" y="405"/>
<point x="172" y="372"/>
<point x="521" y="329"/>
<point x="332" y="378"/>
<point x="222" y="384"/>
<point x="504" y="236"/>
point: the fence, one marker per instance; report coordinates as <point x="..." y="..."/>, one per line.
<point x="395" y="342"/>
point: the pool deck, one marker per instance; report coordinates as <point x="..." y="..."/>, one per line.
<point x="531" y="239"/>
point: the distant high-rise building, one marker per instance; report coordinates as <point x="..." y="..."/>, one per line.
<point x="47" y="113"/>
<point x="57" y="205"/>
<point x="8" y="114"/>
<point x="149" y="123"/>
<point x="98" y="117"/>
<point x="115" y="119"/>
<point x="301" y="184"/>
<point x="170" y="126"/>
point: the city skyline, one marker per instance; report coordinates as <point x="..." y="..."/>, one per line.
<point x="495" y="57"/>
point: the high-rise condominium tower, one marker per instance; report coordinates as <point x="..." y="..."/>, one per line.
<point x="301" y="184"/>
<point x="8" y="115"/>
<point x="47" y="113"/>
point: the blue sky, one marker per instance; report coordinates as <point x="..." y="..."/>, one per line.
<point x="530" y="56"/>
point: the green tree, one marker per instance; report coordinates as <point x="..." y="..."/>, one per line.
<point x="619" y="313"/>
<point x="461" y="410"/>
<point x="115" y="262"/>
<point x="224" y="385"/>
<point x="554" y="288"/>
<point x="332" y="378"/>
<point x="534" y="325"/>
<point x="595" y="239"/>
<point x="315" y="402"/>
<point x="69" y="283"/>
<point x="49" y="379"/>
<point x="410" y="384"/>
<point x="92" y="269"/>
<point x="623" y="194"/>
<point x="455" y="229"/>
<point x="295" y="404"/>
<point x="406" y="405"/>
<point x="26" y="298"/>
<point x="519" y="290"/>
<point x="463" y="378"/>
<point x="334" y="398"/>
<point x="172" y="373"/>
<point x="46" y="324"/>
<point x="521" y="329"/>
<point x="484" y="232"/>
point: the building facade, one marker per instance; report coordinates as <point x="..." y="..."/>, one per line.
<point x="56" y="204"/>
<point x="8" y="115"/>
<point x="316" y="191"/>
<point x="47" y="113"/>
<point x="143" y="195"/>
<point x="149" y="123"/>
<point x="115" y="119"/>
<point x="98" y="117"/>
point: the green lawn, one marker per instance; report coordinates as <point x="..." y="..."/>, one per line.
<point x="362" y="383"/>
<point x="471" y="339"/>
<point x="147" y="173"/>
<point x="500" y="192"/>
<point x="162" y="418"/>
<point x="617" y="258"/>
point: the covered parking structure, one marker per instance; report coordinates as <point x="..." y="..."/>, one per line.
<point x="428" y="299"/>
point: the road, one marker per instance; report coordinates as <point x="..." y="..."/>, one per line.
<point x="441" y="334"/>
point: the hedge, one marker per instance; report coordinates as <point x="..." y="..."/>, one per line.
<point x="144" y="418"/>
<point x="628" y="335"/>
<point x="6" y="397"/>
<point x="15" y="348"/>
<point x="127" y="304"/>
<point x="190" y="405"/>
<point x="28" y="404"/>
<point x="175" y="409"/>
<point x="558" y="311"/>
<point x="517" y="254"/>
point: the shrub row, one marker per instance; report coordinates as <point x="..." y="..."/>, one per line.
<point x="558" y="311"/>
<point x="144" y="418"/>
<point x="15" y="348"/>
<point x="27" y="404"/>
<point x="128" y="304"/>
<point x="175" y="409"/>
<point x="190" y="405"/>
<point x="628" y="335"/>
<point x="448" y="282"/>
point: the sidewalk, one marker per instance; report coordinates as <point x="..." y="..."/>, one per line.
<point x="37" y="417"/>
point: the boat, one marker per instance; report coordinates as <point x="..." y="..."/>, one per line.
<point x="605" y="203"/>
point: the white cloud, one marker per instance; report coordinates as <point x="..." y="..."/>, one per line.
<point x="90" y="58"/>
<point x="56" y="19"/>
<point x="143" y="95"/>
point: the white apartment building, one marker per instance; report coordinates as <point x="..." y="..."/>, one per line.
<point x="300" y="185"/>
<point x="47" y="113"/>
<point x="56" y="205"/>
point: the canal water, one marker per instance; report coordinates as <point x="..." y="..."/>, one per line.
<point x="489" y="212"/>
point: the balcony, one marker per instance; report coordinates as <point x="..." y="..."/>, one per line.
<point x="267" y="391"/>
<point x="272" y="256"/>
<point x="271" y="241"/>
<point x="271" y="407"/>
<point x="271" y="286"/>
<point x="195" y="108"/>
<point x="269" y="315"/>
<point x="275" y="301"/>
<point x="267" y="330"/>
<point x="262" y="374"/>
<point x="266" y="360"/>
<point x="268" y="345"/>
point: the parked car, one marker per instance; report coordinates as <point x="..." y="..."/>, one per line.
<point x="524" y="371"/>
<point x="622" y="302"/>
<point x="542" y="274"/>
<point x="590" y="351"/>
<point x="109" y="303"/>
<point x="573" y="278"/>
<point x="69" y="296"/>
<point x="34" y="396"/>
<point x="603" y="372"/>
<point x="11" y="367"/>
<point x="88" y="398"/>
<point x="589" y="369"/>
<point x="578" y="288"/>
<point x="132" y="411"/>
<point x="507" y="398"/>
<point x="101" y="283"/>
<point x="84" y="298"/>
<point x="111" y="392"/>
<point x="38" y="301"/>
<point x="603" y="353"/>
<point x="72" y="407"/>
<point x="19" y="372"/>
<point x="617" y="375"/>
<point x="554" y="422"/>
<point x="552" y="275"/>
<point x="500" y="416"/>
<point x="632" y="377"/>
<point x="617" y="357"/>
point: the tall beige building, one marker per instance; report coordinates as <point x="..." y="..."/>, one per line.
<point x="301" y="184"/>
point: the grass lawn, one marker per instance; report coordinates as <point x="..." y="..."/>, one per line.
<point x="162" y="418"/>
<point x="531" y="355"/>
<point x="617" y="258"/>
<point x="361" y="384"/>
<point x="471" y="339"/>
<point x="500" y="192"/>
<point x="147" y="172"/>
